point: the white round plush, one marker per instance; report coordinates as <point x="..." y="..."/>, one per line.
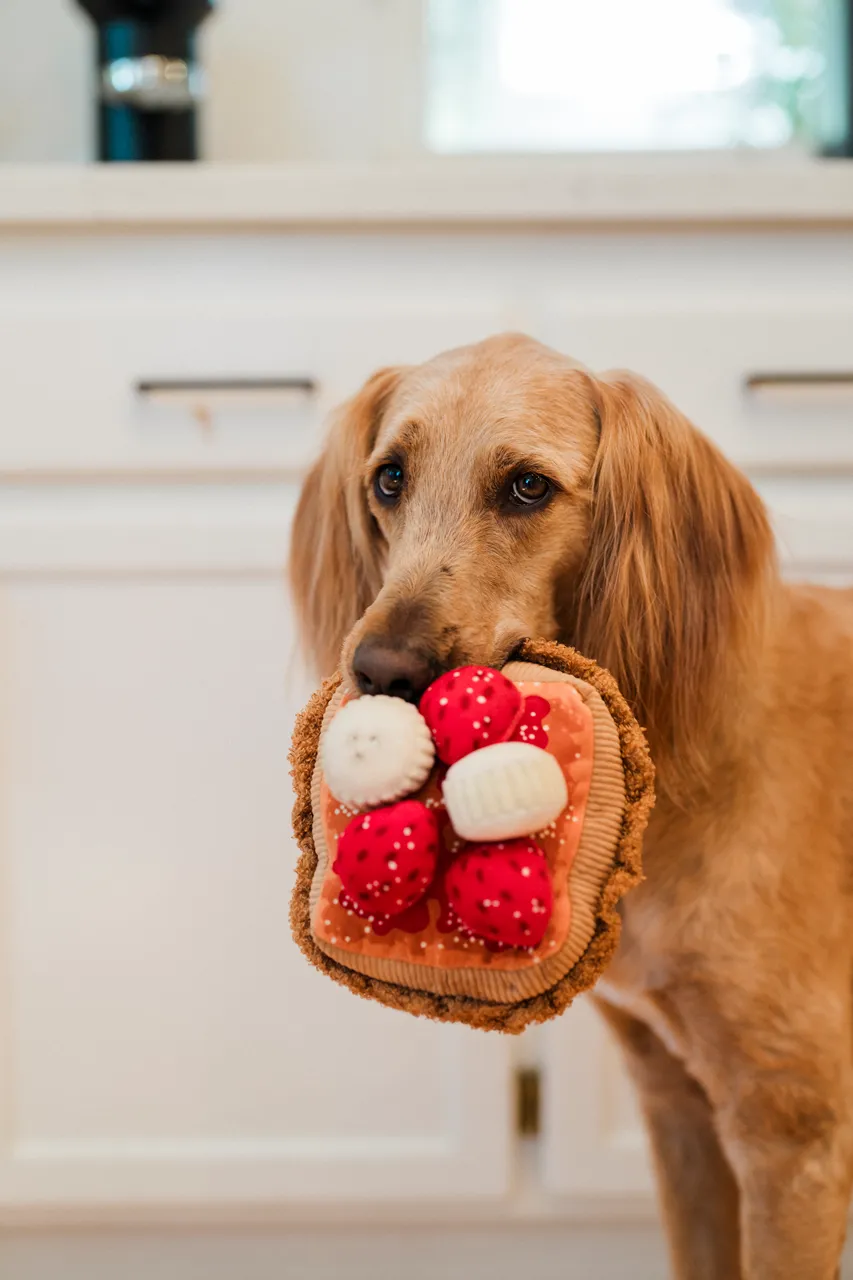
<point x="376" y="750"/>
<point x="509" y="789"/>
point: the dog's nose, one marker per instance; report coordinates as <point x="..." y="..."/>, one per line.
<point x="381" y="666"/>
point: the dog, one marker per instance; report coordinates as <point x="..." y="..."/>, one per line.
<point x="501" y="491"/>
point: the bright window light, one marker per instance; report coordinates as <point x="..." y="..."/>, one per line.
<point x="582" y="75"/>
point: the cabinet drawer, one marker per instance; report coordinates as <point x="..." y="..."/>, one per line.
<point x="186" y="388"/>
<point x="773" y="388"/>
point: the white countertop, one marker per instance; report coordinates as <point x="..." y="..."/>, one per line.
<point x="739" y="189"/>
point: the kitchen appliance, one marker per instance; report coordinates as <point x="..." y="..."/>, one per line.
<point x="149" y="81"/>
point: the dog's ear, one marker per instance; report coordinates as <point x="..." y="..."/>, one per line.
<point x="679" y="554"/>
<point x="336" y="547"/>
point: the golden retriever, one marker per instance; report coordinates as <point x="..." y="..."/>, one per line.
<point x="502" y="491"/>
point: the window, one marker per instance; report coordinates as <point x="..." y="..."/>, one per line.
<point x="628" y="75"/>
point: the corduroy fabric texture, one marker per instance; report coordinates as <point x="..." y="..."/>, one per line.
<point x="607" y="865"/>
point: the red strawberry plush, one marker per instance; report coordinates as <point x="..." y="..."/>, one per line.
<point x="469" y="708"/>
<point x="502" y="892"/>
<point x="386" y="858"/>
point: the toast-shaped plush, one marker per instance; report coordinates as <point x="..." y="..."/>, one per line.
<point x="504" y="924"/>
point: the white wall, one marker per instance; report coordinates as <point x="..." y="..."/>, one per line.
<point x="45" y="111"/>
<point x="288" y="80"/>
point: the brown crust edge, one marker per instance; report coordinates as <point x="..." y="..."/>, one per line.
<point x="625" y="874"/>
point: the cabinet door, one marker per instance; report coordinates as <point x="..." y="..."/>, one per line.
<point x="594" y="1146"/>
<point x="162" y="1041"/>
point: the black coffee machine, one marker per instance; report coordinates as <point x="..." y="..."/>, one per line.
<point x="149" y="82"/>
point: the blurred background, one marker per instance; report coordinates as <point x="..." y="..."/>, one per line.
<point x="368" y="80"/>
<point x="215" y="222"/>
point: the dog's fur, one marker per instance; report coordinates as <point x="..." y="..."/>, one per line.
<point x="731" y="990"/>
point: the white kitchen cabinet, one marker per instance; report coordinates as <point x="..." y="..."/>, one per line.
<point x="163" y="1045"/>
<point x="163" y="1042"/>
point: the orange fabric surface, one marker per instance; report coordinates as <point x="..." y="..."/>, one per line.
<point x="424" y="934"/>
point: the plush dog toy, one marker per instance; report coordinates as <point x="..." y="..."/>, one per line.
<point x="464" y="858"/>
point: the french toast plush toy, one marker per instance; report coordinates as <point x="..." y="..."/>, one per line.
<point x="464" y="859"/>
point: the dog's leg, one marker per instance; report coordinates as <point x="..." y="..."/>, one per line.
<point x="697" y="1188"/>
<point x="775" y="1063"/>
<point x="792" y="1150"/>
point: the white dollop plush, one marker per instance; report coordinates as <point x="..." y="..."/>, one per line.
<point x="509" y="789"/>
<point x="376" y="750"/>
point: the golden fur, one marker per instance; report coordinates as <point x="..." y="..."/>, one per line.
<point x="731" y="988"/>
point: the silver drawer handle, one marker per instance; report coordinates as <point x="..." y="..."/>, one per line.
<point x="203" y="398"/>
<point x="220" y="393"/>
<point x="797" y="388"/>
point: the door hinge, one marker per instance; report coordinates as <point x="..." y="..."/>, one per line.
<point x="527" y="1101"/>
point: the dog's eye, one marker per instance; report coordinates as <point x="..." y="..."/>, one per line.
<point x="388" y="483"/>
<point x="530" y="490"/>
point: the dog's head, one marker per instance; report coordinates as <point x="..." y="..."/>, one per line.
<point x="501" y="491"/>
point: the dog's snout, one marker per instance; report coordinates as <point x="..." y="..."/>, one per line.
<point x="382" y="666"/>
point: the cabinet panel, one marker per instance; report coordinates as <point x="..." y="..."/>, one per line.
<point x="594" y="1145"/>
<point x="162" y="1041"/>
